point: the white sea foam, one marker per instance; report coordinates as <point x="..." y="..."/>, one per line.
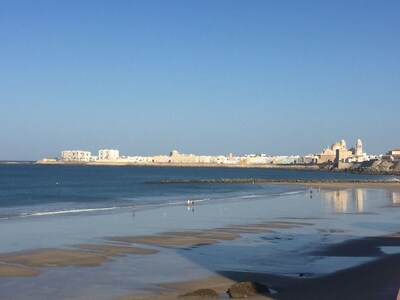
<point x="248" y="196"/>
<point x="292" y="193"/>
<point x="63" y="212"/>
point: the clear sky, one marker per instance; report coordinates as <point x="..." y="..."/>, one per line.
<point x="204" y="77"/>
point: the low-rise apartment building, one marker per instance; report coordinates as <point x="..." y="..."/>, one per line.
<point x="75" y="156"/>
<point x="392" y="155"/>
<point x="108" y="154"/>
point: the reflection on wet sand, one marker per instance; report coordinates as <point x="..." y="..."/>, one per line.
<point x="359" y="193"/>
<point x="133" y="211"/>
<point x="346" y="200"/>
<point x="395" y="198"/>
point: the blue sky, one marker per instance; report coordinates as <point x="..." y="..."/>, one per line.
<point x="205" y="77"/>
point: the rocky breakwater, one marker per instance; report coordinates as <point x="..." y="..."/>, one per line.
<point x="268" y="180"/>
<point x="386" y="167"/>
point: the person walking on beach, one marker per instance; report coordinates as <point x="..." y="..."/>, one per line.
<point x="190" y="205"/>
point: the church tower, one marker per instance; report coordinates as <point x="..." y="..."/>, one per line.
<point x="359" y="148"/>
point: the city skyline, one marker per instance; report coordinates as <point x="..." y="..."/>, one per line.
<point x="168" y="152"/>
<point x="202" y="77"/>
<point x="327" y="154"/>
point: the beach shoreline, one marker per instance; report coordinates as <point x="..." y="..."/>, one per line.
<point x="374" y="278"/>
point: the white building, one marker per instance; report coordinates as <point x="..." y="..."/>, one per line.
<point x="205" y="159"/>
<point x="256" y="159"/>
<point x="130" y="159"/>
<point x="308" y="159"/>
<point x="289" y="160"/>
<point x="75" y="155"/>
<point x="108" y="154"/>
<point x="232" y="160"/>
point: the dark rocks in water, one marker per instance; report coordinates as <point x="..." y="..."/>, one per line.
<point x="246" y="289"/>
<point x="267" y="180"/>
<point x="202" y="293"/>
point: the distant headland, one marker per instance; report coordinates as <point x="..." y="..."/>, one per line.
<point x="16" y="162"/>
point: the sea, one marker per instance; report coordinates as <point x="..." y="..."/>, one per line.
<point x="40" y="190"/>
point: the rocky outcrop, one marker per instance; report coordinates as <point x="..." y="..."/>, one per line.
<point x="246" y="289"/>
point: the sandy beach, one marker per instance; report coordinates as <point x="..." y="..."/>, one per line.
<point x="344" y="245"/>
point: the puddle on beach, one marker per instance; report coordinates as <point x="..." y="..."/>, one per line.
<point x="390" y="249"/>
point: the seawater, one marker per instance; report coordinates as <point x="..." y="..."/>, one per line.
<point x="40" y="190"/>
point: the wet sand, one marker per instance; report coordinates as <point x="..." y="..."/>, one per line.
<point x="115" y="250"/>
<point x="273" y="225"/>
<point x="377" y="279"/>
<point x="19" y="264"/>
<point x="244" y="229"/>
<point x="91" y="255"/>
<point x="177" y="290"/>
<point x="262" y="227"/>
<point x="55" y="258"/>
<point x="332" y="230"/>
<point x="205" y="235"/>
<point x="14" y="271"/>
<point x="164" y="240"/>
